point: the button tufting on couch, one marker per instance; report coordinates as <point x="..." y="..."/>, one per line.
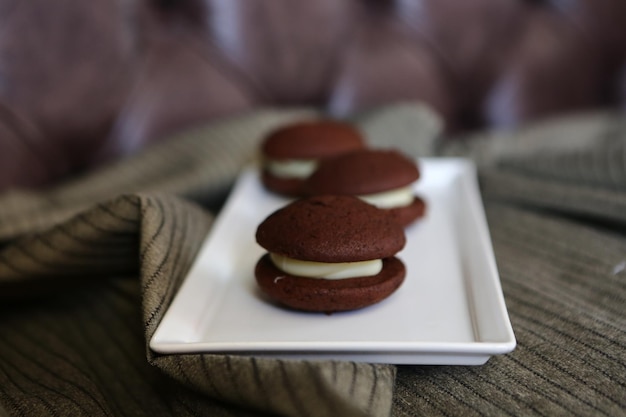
<point x="82" y="83"/>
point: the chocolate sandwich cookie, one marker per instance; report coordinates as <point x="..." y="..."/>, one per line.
<point x="291" y="153"/>
<point x="329" y="253"/>
<point x="383" y="178"/>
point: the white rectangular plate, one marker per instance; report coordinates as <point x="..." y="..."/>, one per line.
<point x="449" y="310"/>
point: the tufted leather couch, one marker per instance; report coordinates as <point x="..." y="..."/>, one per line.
<point x="84" y="82"/>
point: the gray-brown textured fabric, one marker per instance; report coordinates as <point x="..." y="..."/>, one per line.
<point x="75" y="320"/>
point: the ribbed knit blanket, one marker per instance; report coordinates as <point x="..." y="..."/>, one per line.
<point x="88" y="268"/>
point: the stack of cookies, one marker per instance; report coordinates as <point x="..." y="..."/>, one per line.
<point x="333" y="248"/>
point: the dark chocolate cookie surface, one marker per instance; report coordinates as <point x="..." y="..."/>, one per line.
<point x="312" y="140"/>
<point x="288" y="187"/>
<point x="366" y="171"/>
<point x="408" y="214"/>
<point x="331" y="229"/>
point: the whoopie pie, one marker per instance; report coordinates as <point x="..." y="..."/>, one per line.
<point x="381" y="177"/>
<point x="329" y="253"/>
<point x="291" y="153"/>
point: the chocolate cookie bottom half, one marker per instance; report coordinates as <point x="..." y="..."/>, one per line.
<point x="328" y="295"/>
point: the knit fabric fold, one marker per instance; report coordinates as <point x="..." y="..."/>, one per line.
<point x="70" y="236"/>
<point x="89" y="268"/>
<point x="157" y="236"/>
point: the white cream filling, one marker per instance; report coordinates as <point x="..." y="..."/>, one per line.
<point x="339" y="270"/>
<point x="399" y="197"/>
<point x="291" y="168"/>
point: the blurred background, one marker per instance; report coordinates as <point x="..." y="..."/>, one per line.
<point x="83" y="83"/>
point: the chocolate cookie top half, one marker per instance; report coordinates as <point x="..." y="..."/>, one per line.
<point x="312" y="140"/>
<point x="331" y="229"/>
<point x="365" y="171"/>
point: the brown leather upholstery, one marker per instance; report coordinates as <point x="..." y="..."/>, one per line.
<point x="82" y="82"/>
